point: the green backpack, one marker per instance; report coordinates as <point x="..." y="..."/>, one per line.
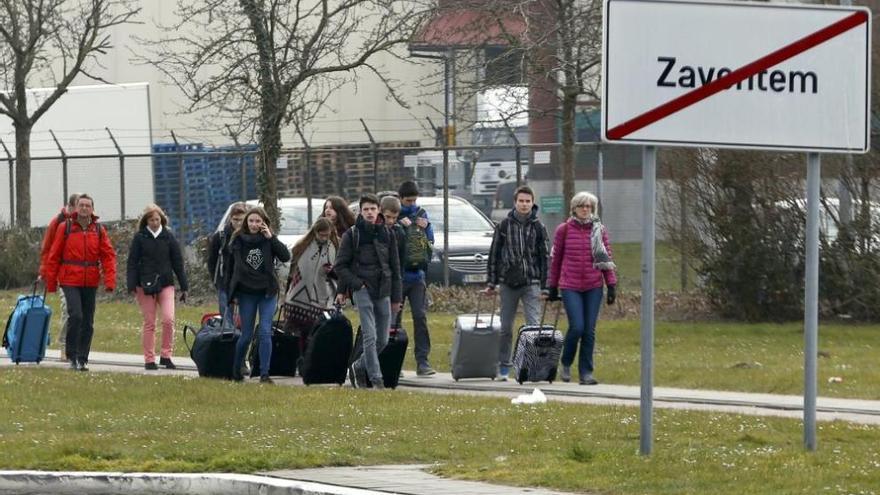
<point x="418" y="247"/>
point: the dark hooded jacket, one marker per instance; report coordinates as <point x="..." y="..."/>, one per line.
<point x="519" y="242"/>
<point x="368" y="256"/>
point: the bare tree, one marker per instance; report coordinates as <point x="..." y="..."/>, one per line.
<point x="553" y="45"/>
<point x="259" y="65"/>
<point x="48" y="43"/>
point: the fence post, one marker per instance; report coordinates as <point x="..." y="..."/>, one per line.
<point x="11" y="184"/>
<point x="241" y="163"/>
<point x="308" y="165"/>
<point x="518" y="153"/>
<point x="445" y="210"/>
<point x="121" y="174"/>
<point x="600" y="178"/>
<point x="63" y="167"/>
<point x="181" y="196"/>
<point x="375" y="148"/>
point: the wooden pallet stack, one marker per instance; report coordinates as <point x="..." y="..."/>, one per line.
<point x="345" y="170"/>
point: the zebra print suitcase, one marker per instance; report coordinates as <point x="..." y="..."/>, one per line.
<point x="537" y="351"/>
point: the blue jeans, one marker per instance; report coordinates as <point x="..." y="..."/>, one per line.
<point x="248" y="305"/>
<point x="531" y="298"/>
<point x="582" y="309"/>
<point x="375" y="318"/>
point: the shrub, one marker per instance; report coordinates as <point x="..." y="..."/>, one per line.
<point x="19" y="256"/>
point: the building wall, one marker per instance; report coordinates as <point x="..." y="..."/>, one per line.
<point x="337" y="123"/>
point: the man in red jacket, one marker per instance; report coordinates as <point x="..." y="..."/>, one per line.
<point x="80" y="251"/>
<point x="61" y="217"/>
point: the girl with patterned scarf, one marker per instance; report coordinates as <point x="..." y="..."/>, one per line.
<point x="311" y="286"/>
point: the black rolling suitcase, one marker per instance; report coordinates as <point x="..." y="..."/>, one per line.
<point x="285" y="354"/>
<point x="537" y="351"/>
<point x="392" y="356"/>
<point x="213" y="349"/>
<point x="325" y="359"/>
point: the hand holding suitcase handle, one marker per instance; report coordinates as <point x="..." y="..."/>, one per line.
<point x="34" y="291"/>
<point x="544" y="313"/>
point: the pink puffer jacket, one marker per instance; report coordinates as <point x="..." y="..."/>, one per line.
<point x="571" y="263"/>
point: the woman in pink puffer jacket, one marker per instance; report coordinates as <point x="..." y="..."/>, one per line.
<point x="580" y="266"/>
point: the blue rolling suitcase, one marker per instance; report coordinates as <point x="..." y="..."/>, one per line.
<point x="27" y="329"/>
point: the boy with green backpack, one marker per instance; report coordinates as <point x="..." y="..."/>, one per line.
<point x="418" y="252"/>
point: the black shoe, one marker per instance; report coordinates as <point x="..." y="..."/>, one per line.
<point x="237" y="377"/>
<point x="266" y="379"/>
<point x="73" y="365"/>
<point x="150" y="366"/>
<point x="425" y="370"/>
<point x="166" y="362"/>
<point x="588" y="380"/>
<point x="82" y="366"/>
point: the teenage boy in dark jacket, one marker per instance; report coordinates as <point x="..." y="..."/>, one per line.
<point x="518" y="268"/>
<point x="368" y="268"/>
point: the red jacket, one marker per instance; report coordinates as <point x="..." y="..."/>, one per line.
<point x="48" y="238"/>
<point x="74" y="258"/>
<point x="571" y="265"/>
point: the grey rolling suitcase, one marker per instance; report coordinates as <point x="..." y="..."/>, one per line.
<point x="475" y="342"/>
<point x="537" y="351"/>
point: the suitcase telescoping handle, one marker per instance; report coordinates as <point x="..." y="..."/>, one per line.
<point x="34" y="291"/>
<point x="491" y="318"/>
<point x="544" y="313"/>
<point x="189" y="329"/>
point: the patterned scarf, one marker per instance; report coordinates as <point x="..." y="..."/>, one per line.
<point x="601" y="258"/>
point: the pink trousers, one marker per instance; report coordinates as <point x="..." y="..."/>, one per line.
<point x="149" y="304"/>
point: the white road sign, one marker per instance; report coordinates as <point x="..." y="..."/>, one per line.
<point x="739" y="75"/>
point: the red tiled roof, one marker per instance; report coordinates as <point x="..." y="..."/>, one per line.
<point x="466" y="28"/>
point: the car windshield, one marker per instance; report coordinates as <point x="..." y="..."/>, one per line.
<point x="294" y="221"/>
<point x="462" y="218"/>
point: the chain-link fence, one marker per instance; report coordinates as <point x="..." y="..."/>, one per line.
<point x="195" y="183"/>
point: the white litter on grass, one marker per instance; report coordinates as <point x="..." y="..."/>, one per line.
<point x="536" y="397"/>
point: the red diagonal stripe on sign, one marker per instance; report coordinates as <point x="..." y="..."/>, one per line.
<point x="741" y="74"/>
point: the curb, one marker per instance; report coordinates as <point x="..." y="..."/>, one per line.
<point x="84" y="483"/>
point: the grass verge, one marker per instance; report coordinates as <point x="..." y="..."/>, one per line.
<point x="760" y="357"/>
<point x="104" y="421"/>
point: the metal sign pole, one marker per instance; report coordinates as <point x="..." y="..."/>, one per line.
<point x="811" y="300"/>
<point x="649" y="194"/>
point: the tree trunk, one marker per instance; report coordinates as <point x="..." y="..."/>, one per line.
<point x="270" y="149"/>
<point x="569" y="102"/>
<point x="271" y="108"/>
<point x="23" y="176"/>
